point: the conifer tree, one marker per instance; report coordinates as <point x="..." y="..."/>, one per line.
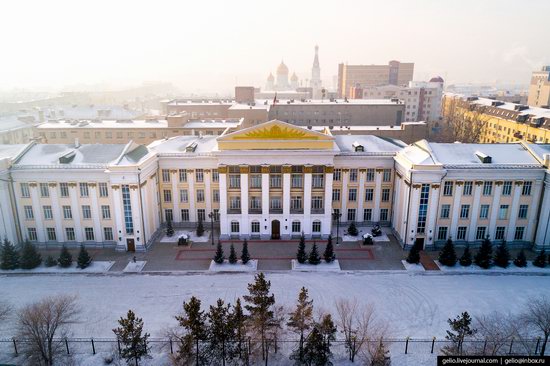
<point x="483" y="256"/>
<point x="447" y="256"/>
<point x="466" y="259"/>
<point x="329" y="255"/>
<point x="193" y="322"/>
<point x="316" y="350"/>
<point x="221" y="333"/>
<point x="540" y="259"/>
<point x="352" y="229"/>
<point x="134" y="343"/>
<point x="313" y="257"/>
<point x="381" y="356"/>
<point x="50" y="261"/>
<point x="169" y="228"/>
<point x="327" y="328"/>
<point x="200" y="229"/>
<point x="368" y="241"/>
<point x="84" y="259"/>
<point x="259" y="304"/>
<point x="414" y="253"/>
<point x="300" y="320"/>
<point x="301" y="256"/>
<point x="10" y="256"/>
<point x="30" y="258"/>
<point x="502" y="256"/>
<point x="232" y="255"/>
<point x="461" y="327"/>
<point x="65" y="258"/>
<point x="521" y="260"/>
<point x="238" y="320"/>
<point x="219" y="257"/>
<point x="245" y="256"/>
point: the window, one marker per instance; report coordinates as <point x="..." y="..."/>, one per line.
<point x="275" y="203"/>
<point x="518" y="235"/>
<point x="351" y="214"/>
<point x="168" y="215"/>
<point x="507" y="188"/>
<point x="25" y="192"/>
<point x="200" y="195"/>
<point x="216" y="213"/>
<point x="337" y="176"/>
<point x="167" y="195"/>
<point x="385" y="195"/>
<point x="448" y="189"/>
<point x="234" y="226"/>
<point x="369" y="194"/>
<point x="296" y="181"/>
<point x="127" y="206"/>
<point x="464" y="211"/>
<point x="182" y="175"/>
<point x="216" y="195"/>
<point x="317" y="180"/>
<point x="255" y="227"/>
<point x="499" y="233"/>
<point x="108" y="233"/>
<point x="336" y="194"/>
<point x="199" y="175"/>
<point x="255" y="181"/>
<point x="423" y="208"/>
<point x="44" y="190"/>
<point x="461" y="233"/>
<point x="386" y="175"/>
<point x="296" y="202"/>
<point x="467" y="190"/>
<point x="184" y="214"/>
<point x="201" y="214"/>
<point x="89" y="233"/>
<point x="352" y="194"/>
<point x="106" y="212"/>
<point x="64" y="189"/>
<point x="383" y="214"/>
<point x="442" y="233"/>
<point x="317" y="203"/>
<point x="103" y="190"/>
<point x="353" y="175"/>
<point x="367" y="214"/>
<point x="480" y="232"/>
<point x="184" y="196"/>
<point x="526" y="189"/>
<point x="166" y="175"/>
<point x="47" y="212"/>
<point x="29" y="214"/>
<point x="296" y="226"/>
<point x="50" y="233"/>
<point x="31" y="233"/>
<point x="445" y="210"/>
<point x="67" y="213"/>
<point x="215" y="175"/>
<point x="255" y="203"/>
<point x="275" y="181"/>
<point x="487" y="188"/>
<point x="86" y="212"/>
<point x="234" y="181"/>
<point x="522" y="212"/>
<point x="484" y="211"/>
<point x="235" y="203"/>
<point x="503" y="212"/>
<point x="316" y="226"/>
<point x="370" y="175"/>
<point x="84" y="191"/>
<point x="69" y="234"/>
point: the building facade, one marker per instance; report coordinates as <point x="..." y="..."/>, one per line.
<point x="539" y="89"/>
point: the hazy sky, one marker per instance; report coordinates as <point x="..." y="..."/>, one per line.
<point x="211" y="45"/>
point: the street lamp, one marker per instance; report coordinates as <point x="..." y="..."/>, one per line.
<point x="336" y="217"/>
<point x="211" y="216"/>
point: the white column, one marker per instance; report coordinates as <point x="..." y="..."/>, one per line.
<point x="96" y="214"/>
<point x="543" y="230"/>
<point x="459" y="189"/>
<point x="75" y="209"/>
<point x="377" y="196"/>
<point x="145" y="203"/>
<point x="514" y="211"/>
<point x="208" y="192"/>
<point x="56" y="211"/>
<point x="344" y="197"/>
<point x="474" y="212"/>
<point x="286" y="196"/>
<point x="495" y="206"/>
<point x="432" y="213"/>
<point x="176" y="212"/>
<point x="120" y="229"/>
<point x="413" y="213"/>
<point x="136" y="214"/>
<point x="224" y="232"/>
<point x="245" y="225"/>
<point x="8" y="228"/>
<point x="533" y="209"/>
<point x="307" y="200"/>
<point x="265" y="202"/>
<point x="360" y="196"/>
<point x="192" y="196"/>
<point x="326" y="226"/>
<point x="37" y="210"/>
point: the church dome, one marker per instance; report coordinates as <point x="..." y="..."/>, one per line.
<point x="282" y="69"/>
<point x="294" y="77"/>
<point x="436" y="79"/>
<point x="270" y="77"/>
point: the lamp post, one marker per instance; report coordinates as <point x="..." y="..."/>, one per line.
<point x="336" y="217"/>
<point x="211" y="216"/>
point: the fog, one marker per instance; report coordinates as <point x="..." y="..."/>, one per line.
<point x="213" y="45"/>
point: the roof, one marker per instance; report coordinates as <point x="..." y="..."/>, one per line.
<point x="338" y="102"/>
<point x="90" y="111"/>
<point x="506" y="106"/>
<point x="178" y="145"/>
<point x="214" y="123"/>
<point x="10" y="123"/>
<point x="256" y="105"/>
<point x="98" y="123"/>
<point x="540" y="150"/>
<point x="175" y="102"/>
<point x="11" y="151"/>
<point x="371" y="144"/>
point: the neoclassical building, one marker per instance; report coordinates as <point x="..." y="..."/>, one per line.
<point x="274" y="181"/>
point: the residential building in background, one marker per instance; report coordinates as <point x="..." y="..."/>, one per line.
<point x="539" y="90"/>
<point x="362" y="76"/>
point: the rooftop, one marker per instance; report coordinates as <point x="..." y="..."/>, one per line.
<point x="337" y="102"/>
<point x="185" y="145"/>
<point x="91" y="111"/>
<point x="11" y="123"/>
<point x="214" y="123"/>
<point x="371" y="144"/>
<point x="98" y="123"/>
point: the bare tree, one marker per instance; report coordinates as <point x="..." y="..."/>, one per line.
<point x="494" y="331"/>
<point x="41" y="322"/>
<point x="5" y="311"/>
<point x="461" y="121"/>
<point x="537" y="317"/>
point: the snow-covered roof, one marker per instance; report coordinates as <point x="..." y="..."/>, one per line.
<point x="371" y="144"/>
<point x="214" y="123"/>
<point x="10" y="151"/>
<point x="11" y="123"/>
<point x="90" y="111"/>
<point x="185" y="145"/>
<point x="98" y="123"/>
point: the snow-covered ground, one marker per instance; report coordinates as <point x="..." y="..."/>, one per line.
<point x="94" y="267"/>
<point x="136" y="266"/>
<point x="321" y="267"/>
<point x="237" y="267"/>
<point x="413" y="266"/>
<point x="530" y="268"/>
<point x="191" y="234"/>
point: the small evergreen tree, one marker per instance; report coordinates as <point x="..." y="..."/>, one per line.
<point x="368" y="240"/>
<point x="540" y="259"/>
<point x="83" y="260"/>
<point x="232" y="255"/>
<point x="50" y="261"/>
<point x="301" y="255"/>
<point x="521" y="260"/>
<point x="300" y="320"/>
<point x="447" y="256"/>
<point x="316" y="349"/>
<point x="245" y="256"/>
<point x="220" y="333"/>
<point x="200" y="229"/>
<point x="238" y="321"/>
<point x="193" y="322"/>
<point x="502" y="256"/>
<point x="219" y="257"/>
<point x="329" y="255"/>
<point x="414" y="253"/>
<point x="460" y="329"/>
<point x="313" y="257"/>
<point x="30" y="258"/>
<point x="65" y="258"/>
<point x="134" y="343"/>
<point x="466" y="259"/>
<point x="352" y="229"/>
<point x="483" y="256"/>
<point x="10" y="256"/>
<point x="260" y="306"/>
<point x="169" y="228"/>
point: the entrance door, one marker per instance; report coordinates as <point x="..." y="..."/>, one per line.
<point x="275" y="229"/>
<point x="130" y="245"/>
<point x="420" y="242"/>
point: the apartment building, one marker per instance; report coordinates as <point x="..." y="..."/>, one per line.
<point x="539" y="89"/>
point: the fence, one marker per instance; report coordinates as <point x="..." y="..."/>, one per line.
<point x="249" y="351"/>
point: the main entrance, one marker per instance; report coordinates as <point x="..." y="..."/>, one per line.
<point x="275" y="229"/>
<point x="130" y="245"/>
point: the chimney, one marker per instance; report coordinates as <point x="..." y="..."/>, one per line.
<point x="76" y="143"/>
